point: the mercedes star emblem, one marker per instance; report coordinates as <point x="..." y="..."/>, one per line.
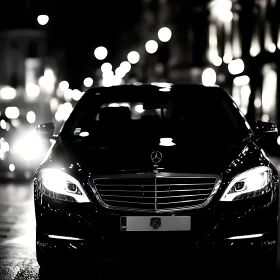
<point x="156" y="157"/>
<point x="155" y="223"/>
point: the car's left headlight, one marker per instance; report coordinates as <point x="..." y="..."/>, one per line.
<point x="249" y="184"/>
<point x="61" y="183"/>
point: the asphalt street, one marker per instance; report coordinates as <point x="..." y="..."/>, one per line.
<point x="17" y="240"/>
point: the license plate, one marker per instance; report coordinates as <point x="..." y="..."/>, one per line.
<point x="155" y="223"/>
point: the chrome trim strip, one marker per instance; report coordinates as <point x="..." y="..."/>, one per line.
<point x="159" y="191"/>
<point x="153" y="175"/>
<point x="246" y="236"/>
<point x="63" y="237"/>
<point x="140" y="185"/>
<point x="170" y="196"/>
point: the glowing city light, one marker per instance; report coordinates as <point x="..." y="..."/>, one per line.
<point x="221" y="10"/>
<point x="120" y="72"/>
<point x="88" y="82"/>
<point x="208" y="77"/>
<point x="68" y="94"/>
<point x="77" y="94"/>
<point x="54" y="104"/>
<point x="8" y="92"/>
<point x="241" y="80"/>
<point x="43" y="19"/>
<point x="12" y="167"/>
<point x="63" y="85"/>
<point x="63" y="111"/>
<point x="151" y="46"/>
<point x="100" y="53"/>
<point x="32" y="90"/>
<point x="257" y="103"/>
<point x="3" y="124"/>
<point x="126" y="66"/>
<point x="217" y="61"/>
<point x="12" y="112"/>
<point x="164" y="34"/>
<point x="31" y="117"/>
<point x="106" y="67"/>
<point x="139" y="108"/>
<point x="133" y="57"/>
<point x="236" y="66"/>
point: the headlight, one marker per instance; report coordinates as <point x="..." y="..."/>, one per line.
<point x="251" y="183"/>
<point x="57" y="181"/>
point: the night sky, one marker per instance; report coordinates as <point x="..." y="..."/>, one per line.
<point x="79" y="27"/>
<point x="76" y="28"/>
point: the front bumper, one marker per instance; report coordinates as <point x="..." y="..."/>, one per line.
<point x="234" y="229"/>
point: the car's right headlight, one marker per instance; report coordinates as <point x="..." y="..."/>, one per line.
<point x="58" y="182"/>
<point x="249" y="184"/>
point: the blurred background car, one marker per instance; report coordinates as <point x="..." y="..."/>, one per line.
<point x="21" y="149"/>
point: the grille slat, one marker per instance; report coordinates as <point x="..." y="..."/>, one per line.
<point x="140" y="185"/>
<point x="159" y="191"/>
<point x="170" y="192"/>
<point x="170" y="196"/>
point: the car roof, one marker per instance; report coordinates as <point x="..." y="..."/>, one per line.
<point x="142" y="89"/>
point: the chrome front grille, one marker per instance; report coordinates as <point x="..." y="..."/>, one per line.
<point x="156" y="192"/>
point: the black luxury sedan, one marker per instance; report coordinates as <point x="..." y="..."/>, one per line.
<point x="158" y="171"/>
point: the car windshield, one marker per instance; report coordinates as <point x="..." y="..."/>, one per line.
<point x="126" y="115"/>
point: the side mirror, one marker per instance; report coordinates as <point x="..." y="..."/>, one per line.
<point x="46" y="130"/>
<point x="265" y="129"/>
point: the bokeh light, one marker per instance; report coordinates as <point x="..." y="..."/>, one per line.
<point x="31" y="117"/>
<point x="8" y="92"/>
<point x="151" y="46"/>
<point x="32" y="90"/>
<point x="133" y="57"/>
<point x="208" y="77"/>
<point x="100" y="53"/>
<point x="43" y="19"/>
<point x="88" y="82"/>
<point x="12" y="112"/>
<point x="236" y="66"/>
<point x="77" y="94"/>
<point x="126" y="66"/>
<point x="164" y="34"/>
<point x="106" y="67"/>
<point x="63" y="85"/>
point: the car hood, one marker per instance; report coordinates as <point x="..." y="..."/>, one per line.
<point x="119" y="159"/>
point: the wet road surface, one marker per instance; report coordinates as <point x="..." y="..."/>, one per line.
<point x="17" y="242"/>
